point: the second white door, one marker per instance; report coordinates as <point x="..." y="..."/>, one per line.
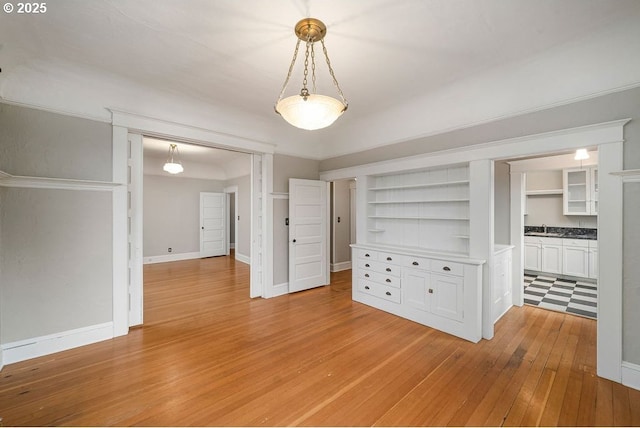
<point x="213" y="227"/>
<point x="308" y="234"/>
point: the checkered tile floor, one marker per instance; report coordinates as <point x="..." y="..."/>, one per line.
<point x="576" y="297"/>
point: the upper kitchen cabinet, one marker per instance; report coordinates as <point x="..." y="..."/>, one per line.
<point x="580" y="191"/>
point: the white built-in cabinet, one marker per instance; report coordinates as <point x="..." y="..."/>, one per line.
<point x="412" y="259"/>
<point x="427" y="209"/>
<point x="573" y="257"/>
<point x="580" y="191"/>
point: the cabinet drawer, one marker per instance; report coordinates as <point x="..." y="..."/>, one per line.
<point x="389" y="258"/>
<point x="447" y="267"/>
<point x="379" y="290"/>
<point x="367" y="254"/>
<point x="416" y="262"/>
<point x="377" y="266"/>
<point x="575" y="243"/>
<point x="389" y="280"/>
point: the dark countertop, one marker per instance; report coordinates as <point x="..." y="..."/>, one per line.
<point x="562" y="232"/>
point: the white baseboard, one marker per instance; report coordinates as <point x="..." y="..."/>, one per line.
<point x="242" y="258"/>
<point x="337" y="267"/>
<point x="631" y="375"/>
<point x="44" y="345"/>
<point x="171" y="258"/>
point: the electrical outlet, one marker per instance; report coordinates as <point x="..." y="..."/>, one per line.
<point x="169" y="249"/>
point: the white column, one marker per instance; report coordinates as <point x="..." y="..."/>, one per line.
<point x="120" y="257"/>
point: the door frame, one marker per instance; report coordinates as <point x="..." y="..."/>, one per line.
<point x="125" y="123"/>
<point x="232" y="190"/>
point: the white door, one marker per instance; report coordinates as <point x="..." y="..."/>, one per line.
<point x="213" y="213"/>
<point x="308" y="234"/>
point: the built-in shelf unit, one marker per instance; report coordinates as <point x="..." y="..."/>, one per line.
<point x="426" y="209"/>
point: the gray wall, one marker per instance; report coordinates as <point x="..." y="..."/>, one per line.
<point x="502" y="203"/>
<point x="243" y="246"/>
<point x="619" y="105"/>
<point x="56" y="249"/>
<point x="171" y="207"/>
<point x="341" y="231"/>
<point x="284" y="168"/>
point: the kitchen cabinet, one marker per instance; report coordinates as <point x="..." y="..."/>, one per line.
<point x="580" y="191"/>
<point x="443" y="293"/>
<point x="575" y="257"/>
<point x="532" y="255"/>
<point x="543" y="254"/>
<point x="593" y="259"/>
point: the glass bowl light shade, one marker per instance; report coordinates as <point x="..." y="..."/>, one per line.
<point x="173" y="168"/>
<point x="316" y="112"/>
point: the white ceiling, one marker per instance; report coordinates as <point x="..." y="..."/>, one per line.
<point x="408" y="68"/>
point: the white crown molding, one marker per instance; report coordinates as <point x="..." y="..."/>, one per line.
<point x="162" y="128"/>
<point x="54" y="110"/>
<point x="8" y="180"/>
<point x="628" y="175"/>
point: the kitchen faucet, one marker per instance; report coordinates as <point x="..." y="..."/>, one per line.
<point x="544" y="228"/>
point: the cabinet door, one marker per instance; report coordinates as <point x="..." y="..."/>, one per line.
<point x="552" y="258"/>
<point x="593" y="263"/>
<point x="415" y="286"/>
<point x="533" y="257"/>
<point x="576" y="193"/>
<point x="446" y="294"/>
<point x="576" y="261"/>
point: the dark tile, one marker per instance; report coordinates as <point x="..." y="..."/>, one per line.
<point x="534" y="293"/>
<point x="559" y="293"/>
<point x="583" y="302"/>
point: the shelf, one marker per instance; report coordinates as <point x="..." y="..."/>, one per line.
<point x="418" y="186"/>
<point x="546" y="192"/>
<point x="375" y="230"/>
<point x="416" y="218"/>
<point x="577" y="184"/>
<point x="461" y="236"/>
<point x="420" y="201"/>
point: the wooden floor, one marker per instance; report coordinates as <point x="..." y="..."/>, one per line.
<point x="208" y="355"/>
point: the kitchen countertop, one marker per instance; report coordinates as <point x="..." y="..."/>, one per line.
<point x="562" y="232"/>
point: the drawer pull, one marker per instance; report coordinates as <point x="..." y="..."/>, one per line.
<point x="389" y="259"/>
<point x="367" y="265"/>
<point x="415" y="263"/>
<point x="388" y="280"/>
<point x="366" y="287"/>
<point x="431" y="291"/>
<point x="367" y="255"/>
<point x="366" y="275"/>
<point x="388" y="293"/>
<point x="388" y="269"/>
<point x="446" y="268"/>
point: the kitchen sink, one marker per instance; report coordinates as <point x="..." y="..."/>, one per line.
<point x="548" y="234"/>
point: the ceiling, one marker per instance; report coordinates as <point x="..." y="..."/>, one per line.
<point x="408" y="68"/>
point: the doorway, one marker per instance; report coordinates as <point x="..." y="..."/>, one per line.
<point x="342" y="223"/>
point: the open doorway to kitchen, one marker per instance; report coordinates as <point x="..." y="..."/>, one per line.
<point x="560" y="233"/>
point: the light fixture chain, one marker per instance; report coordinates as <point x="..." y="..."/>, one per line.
<point x="293" y="62"/>
<point x="313" y="68"/>
<point x="306" y="65"/>
<point x="335" y="81"/>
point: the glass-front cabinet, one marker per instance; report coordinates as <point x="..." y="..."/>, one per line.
<point x="580" y="193"/>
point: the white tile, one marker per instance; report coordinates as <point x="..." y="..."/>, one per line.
<point x="552" y="306"/>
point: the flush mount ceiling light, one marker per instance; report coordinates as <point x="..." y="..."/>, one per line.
<point x="581" y="154"/>
<point x="173" y="164"/>
<point x="309" y="110"/>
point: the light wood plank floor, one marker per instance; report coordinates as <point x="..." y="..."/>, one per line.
<point x="208" y="355"/>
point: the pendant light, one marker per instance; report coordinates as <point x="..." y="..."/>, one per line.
<point x="309" y="110"/>
<point x="173" y="164"/>
<point x="581" y="154"/>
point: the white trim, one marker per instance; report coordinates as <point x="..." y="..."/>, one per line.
<point x="243" y="259"/>
<point x="340" y="266"/>
<point x="55" y="110"/>
<point x="171" y="257"/>
<point x="537" y="144"/>
<point x="549" y="163"/>
<point x="631" y="375"/>
<point x="135" y="216"/>
<point x="280" y="195"/>
<point x="120" y="250"/>
<point x="628" y="175"/>
<point x="22" y="350"/>
<point x="8" y="180"/>
<point x="154" y="127"/>
<point x="280" y="289"/>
